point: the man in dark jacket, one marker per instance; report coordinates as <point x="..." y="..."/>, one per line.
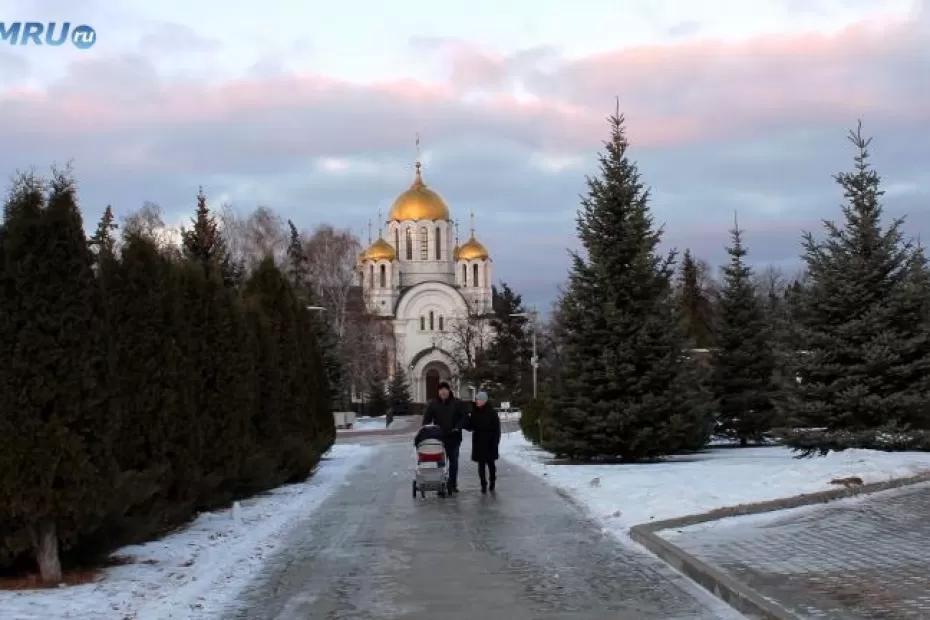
<point x="448" y="413"/>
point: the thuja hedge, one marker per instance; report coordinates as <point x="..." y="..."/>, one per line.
<point x="140" y="384"/>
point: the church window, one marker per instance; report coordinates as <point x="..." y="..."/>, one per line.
<point x="422" y="323"/>
<point x="383" y="276"/>
<point x="397" y="240"/>
<point x="409" y="241"/>
<point x="464" y="275"/>
<point x="438" y="243"/>
<point x="441" y="321"/>
<point x="474" y="274"/>
<point x="371" y="279"/>
<point x="424" y="244"/>
<point x="431" y="326"/>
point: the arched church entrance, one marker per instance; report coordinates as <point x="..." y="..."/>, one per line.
<point x="433" y="374"/>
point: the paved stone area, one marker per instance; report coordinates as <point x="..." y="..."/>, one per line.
<point x="372" y="551"/>
<point x="866" y="557"/>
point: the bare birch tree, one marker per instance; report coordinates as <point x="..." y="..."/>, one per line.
<point x="332" y="255"/>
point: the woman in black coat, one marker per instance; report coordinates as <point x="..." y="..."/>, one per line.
<point x="485" y="429"/>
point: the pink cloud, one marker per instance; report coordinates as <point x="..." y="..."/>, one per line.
<point x="726" y="89"/>
<point x="672" y="94"/>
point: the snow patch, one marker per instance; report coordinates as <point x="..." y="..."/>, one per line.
<point x="620" y="496"/>
<point x="198" y="569"/>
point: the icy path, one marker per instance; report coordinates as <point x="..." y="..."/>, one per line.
<point x="372" y="551"/>
<point x="193" y="572"/>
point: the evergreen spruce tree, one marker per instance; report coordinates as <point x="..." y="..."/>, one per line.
<point x="298" y="264"/>
<point x="627" y="388"/>
<point x="865" y="368"/>
<point x="743" y="360"/>
<point x="55" y="465"/>
<point x="399" y="393"/>
<point x="102" y="241"/>
<point x="205" y="245"/>
<point x="695" y="303"/>
<point x="376" y="398"/>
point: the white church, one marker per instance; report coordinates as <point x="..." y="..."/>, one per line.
<point x="424" y="285"/>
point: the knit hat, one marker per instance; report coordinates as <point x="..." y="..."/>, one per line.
<point x="481" y="396"/>
<point x="444" y="384"/>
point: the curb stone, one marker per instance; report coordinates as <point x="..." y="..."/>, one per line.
<point x="735" y="593"/>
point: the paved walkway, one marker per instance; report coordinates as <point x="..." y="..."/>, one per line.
<point x="372" y="551"/>
<point x="866" y="557"/>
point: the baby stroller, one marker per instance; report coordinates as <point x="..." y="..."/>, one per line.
<point x="431" y="472"/>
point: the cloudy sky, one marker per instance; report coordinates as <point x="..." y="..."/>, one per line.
<point x="311" y="108"/>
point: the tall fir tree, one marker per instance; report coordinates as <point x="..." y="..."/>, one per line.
<point x="202" y="242"/>
<point x="399" y="393"/>
<point x="508" y="355"/>
<point x="55" y="438"/>
<point x="627" y="389"/>
<point x="299" y="274"/>
<point x="695" y="304"/>
<point x="865" y="368"/>
<point x="744" y="363"/>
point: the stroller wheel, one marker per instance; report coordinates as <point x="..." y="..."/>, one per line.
<point x="414" y="489"/>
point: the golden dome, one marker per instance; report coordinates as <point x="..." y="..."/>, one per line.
<point x="471" y="250"/>
<point x="379" y="250"/>
<point x="419" y="203"/>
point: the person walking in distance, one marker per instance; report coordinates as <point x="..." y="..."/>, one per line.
<point x="448" y="413"/>
<point x="485" y="429"/>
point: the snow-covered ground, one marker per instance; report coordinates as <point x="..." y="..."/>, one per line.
<point x="621" y="496"/>
<point x="366" y="423"/>
<point x="509" y="416"/>
<point x="198" y="568"/>
<point x="376" y="423"/>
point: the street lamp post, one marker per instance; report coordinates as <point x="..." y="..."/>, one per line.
<point x="534" y="361"/>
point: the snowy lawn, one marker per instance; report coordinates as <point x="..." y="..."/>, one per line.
<point x="198" y="568"/>
<point x="621" y="496"/>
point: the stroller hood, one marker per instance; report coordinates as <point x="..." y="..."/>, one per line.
<point x="428" y="432"/>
